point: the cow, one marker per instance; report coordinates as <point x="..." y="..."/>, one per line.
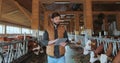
<point x="32" y="44"/>
<point x="98" y="53"/>
<point x="105" y="58"/>
<point x="95" y="52"/>
<point x="117" y="58"/>
<point x="20" y="37"/>
<point x="87" y="48"/>
<point x="109" y="56"/>
<point x="35" y="47"/>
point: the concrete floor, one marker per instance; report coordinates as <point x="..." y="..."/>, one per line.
<point x="36" y="59"/>
<point x="70" y="56"/>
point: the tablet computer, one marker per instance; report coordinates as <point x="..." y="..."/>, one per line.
<point x="60" y="40"/>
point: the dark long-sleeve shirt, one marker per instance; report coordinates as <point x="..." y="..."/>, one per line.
<point x="46" y="38"/>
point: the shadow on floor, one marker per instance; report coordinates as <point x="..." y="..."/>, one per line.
<point x="41" y="58"/>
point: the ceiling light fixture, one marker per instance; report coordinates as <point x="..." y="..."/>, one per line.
<point x="117" y="2"/>
<point x="62" y="2"/>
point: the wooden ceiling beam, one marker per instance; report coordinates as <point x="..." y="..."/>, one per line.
<point x="12" y="12"/>
<point x="52" y="1"/>
<point x="80" y="12"/>
<point x="23" y="10"/>
<point x="107" y="0"/>
<point x="11" y="20"/>
<point x="8" y="21"/>
<point x="67" y="12"/>
<point x="105" y="12"/>
<point x="77" y="1"/>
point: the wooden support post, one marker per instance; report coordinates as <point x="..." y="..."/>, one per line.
<point x="88" y="21"/>
<point x="35" y="14"/>
<point x="1" y="7"/>
<point x="41" y="12"/>
<point x="105" y="24"/>
<point x="118" y="21"/>
<point x="70" y="26"/>
<point x="46" y="19"/>
<point x="35" y="17"/>
<point x="77" y="26"/>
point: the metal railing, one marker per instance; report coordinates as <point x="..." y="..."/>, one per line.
<point x="12" y="50"/>
<point x="99" y="39"/>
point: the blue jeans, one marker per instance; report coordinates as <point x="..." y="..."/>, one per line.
<point x="56" y="60"/>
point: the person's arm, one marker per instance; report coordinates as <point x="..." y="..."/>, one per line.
<point x="66" y="36"/>
<point x="45" y="40"/>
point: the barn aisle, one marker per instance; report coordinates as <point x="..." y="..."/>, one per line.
<point x="41" y="58"/>
<point x="73" y="55"/>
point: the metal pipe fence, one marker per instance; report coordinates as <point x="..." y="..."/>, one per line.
<point x="99" y="40"/>
<point x="12" y="50"/>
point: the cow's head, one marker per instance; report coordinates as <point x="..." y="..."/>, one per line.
<point x="87" y="47"/>
<point x="105" y="57"/>
<point x="35" y="47"/>
<point x="92" y="57"/>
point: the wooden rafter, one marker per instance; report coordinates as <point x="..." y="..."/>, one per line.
<point x="11" y="12"/>
<point x="23" y="10"/>
<point x="5" y="20"/>
<point x="46" y="23"/>
<point x="80" y="12"/>
<point x="76" y="22"/>
<point x="107" y="0"/>
<point x="78" y="1"/>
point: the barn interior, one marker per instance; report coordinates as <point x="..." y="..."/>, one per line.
<point x="21" y="20"/>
